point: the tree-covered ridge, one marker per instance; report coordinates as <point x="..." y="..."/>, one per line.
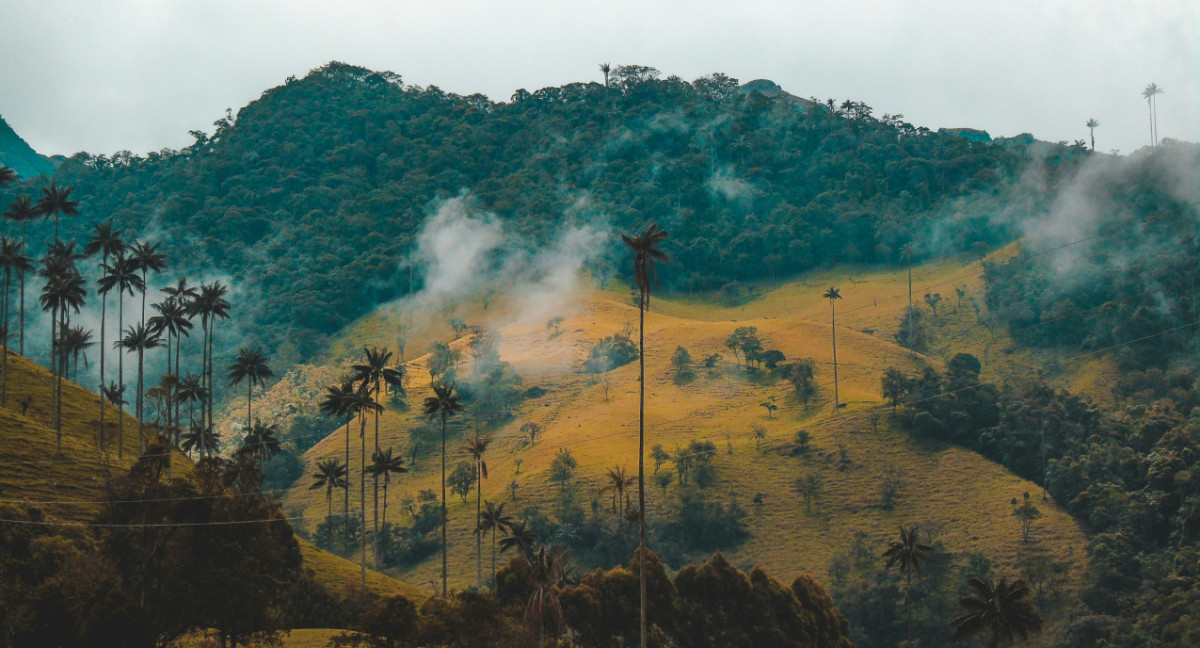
<point x="315" y="192"/>
<point x="1122" y="271"/>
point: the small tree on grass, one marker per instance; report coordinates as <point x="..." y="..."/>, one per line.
<point x="1026" y="514"/>
<point x="562" y="468"/>
<point x="801" y="374"/>
<point x="770" y="406"/>
<point x="555" y="323"/>
<point x="809" y="487"/>
<point x="533" y="430"/>
<point x="681" y="360"/>
<point x="802" y="440"/>
<point x="461" y="479"/>
<point x="711" y="362"/>
<point x="759" y="432"/>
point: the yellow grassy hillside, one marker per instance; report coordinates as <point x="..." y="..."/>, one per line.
<point x="955" y="493"/>
<point x="70" y="486"/>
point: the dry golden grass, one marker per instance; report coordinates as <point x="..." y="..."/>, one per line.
<point x="70" y="486"/>
<point x="956" y="494"/>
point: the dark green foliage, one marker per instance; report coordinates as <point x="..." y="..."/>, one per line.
<point x="1129" y="478"/>
<point x="609" y="353"/>
<point x="802" y="375"/>
<point x="312" y="191"/>
<point x="1131" y="284"/>
<point x="282" y="469"/>
<point x="461" y="479"/>
<point x="405" y="546"/>
<point x="709" y="605"/>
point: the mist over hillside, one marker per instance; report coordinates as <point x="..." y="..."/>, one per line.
<point x="311" y="197"/>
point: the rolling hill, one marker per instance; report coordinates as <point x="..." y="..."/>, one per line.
<point x="960" y="498"/>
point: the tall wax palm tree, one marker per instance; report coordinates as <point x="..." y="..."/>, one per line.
<point x="619" y="481"/>
<point x="444" y="403"/>
<point x="377" y="376"/>
<point x="122" y="275"/>
<point x="201" y="438"/>
<point x="339" y="401"/>
<point x="362" y="404"/>
<point x="493" y="519"/>
<point x="139" y="337"/>
<point x="56" y="201"/>
<point x="1152" y="90"/>
<point x="907" y="554"/>
<point x="907" y="253"/>
<point x="22" y="210"/>
<point x="645" y="254"/>
<point x="190" y="390"/>
<point x="330" y="474"/>
<point x="64" y="291"/>
<point x="476" y="448"/>
<point x="833" y="294"/>
<point x="1092" y="123"/>
<point x="261" y="442"/>
<point x="999" y="609"/>
<point x="210" y="304"/>
<point x="147" y="259"/>
<point x="385" y="463"/>
<point x="183" y="294"/>
<point x="543" y="571"/>
<point x="520" y="537"/>
<point x="251" y="366"/>
<point x="172" y="319"/>
<point x="107" y="242"/>
<point x="75" y="342"/>
<point x="12" y="260"/>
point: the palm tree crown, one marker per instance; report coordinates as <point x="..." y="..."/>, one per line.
<point x="251" y="366"/>
<point x="56" y="201"/>
<point x="998" y="608"/>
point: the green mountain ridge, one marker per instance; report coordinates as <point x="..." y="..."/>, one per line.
<point x="16" y="154"/>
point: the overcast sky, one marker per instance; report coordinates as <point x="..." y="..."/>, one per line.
<point x="106" y="75"/>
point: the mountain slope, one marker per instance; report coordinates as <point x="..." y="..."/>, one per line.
<point x="71" y="487"/>
<point x="786" y="537"/>
<point x="18" y="155"/>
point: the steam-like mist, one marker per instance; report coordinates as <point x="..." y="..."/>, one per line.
<point x="463" y="253"/>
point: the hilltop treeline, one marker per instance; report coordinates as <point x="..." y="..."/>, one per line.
<point x="314" y="193"/>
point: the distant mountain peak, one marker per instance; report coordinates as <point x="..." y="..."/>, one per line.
<point x="18" y="155"/>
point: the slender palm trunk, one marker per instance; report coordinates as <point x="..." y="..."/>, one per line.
<point x="346" y="508"/>
<point x="833" y="331"/>
<point x="204" y="388"/>
<point x="362" y="495"/>
<point x="478" y="533"/>
<point x="120" y="376"/>
<point x="103" y="317"/>
<point x="4" y="370"/>
<point x="1154" y="112"/>
<point x="907" y="603"/>
<point x="910" y="310"/>
<point x="493" y="558"/>
<point x="642" y="464"/>
<point x="375" y="484"/>
<point x="141" y="426"/>
<point x="249" y="399"/>
<point x="21" y="348"/>
<point x="444" y="520"/>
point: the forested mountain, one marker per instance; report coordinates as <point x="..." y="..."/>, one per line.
<point x="16" y="154"/>
<point x="312" y="195"/>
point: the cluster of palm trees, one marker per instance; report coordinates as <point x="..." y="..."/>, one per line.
<point x="127" y="269"/>
<point x="356" y="397"/>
